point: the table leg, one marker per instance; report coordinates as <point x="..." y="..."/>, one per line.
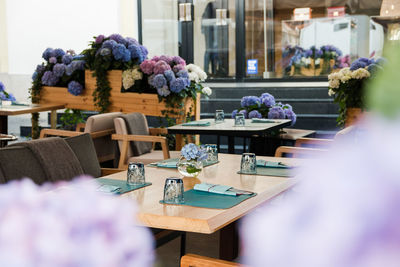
<point x="231" y="144"/>
<point x="4" y="124"/>
<point x="218" y="142"/>
<point x="229" y="242"/>
<point x="244" y="144"/>
<point x="53" y="119"/>
<point x="179" y="142"/>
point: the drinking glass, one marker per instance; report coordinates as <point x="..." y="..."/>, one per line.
<point x="239" y="119"/>
<point x="173" y="191"/>
<point x="219" y="116"/>
<point x="249" y="163"/>
<point x="212" y="152"/>
<point x="135" y="173"/>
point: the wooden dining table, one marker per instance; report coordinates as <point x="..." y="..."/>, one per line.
<point x="205" y="220"/>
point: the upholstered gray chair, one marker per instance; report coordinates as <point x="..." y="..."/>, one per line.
<point x="136" y="140"/>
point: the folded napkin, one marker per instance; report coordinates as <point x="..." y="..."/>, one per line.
<point x="272" y="164"/>
<point x="197" y="123"/>
<point x="170" y="163"/>
<point x="19" y="104"/>
<point x="220" y="189"/>
<point x="256" y="120"/>
<point x="110" y="189"/>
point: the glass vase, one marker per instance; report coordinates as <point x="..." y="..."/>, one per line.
<point x="189" y="168"/>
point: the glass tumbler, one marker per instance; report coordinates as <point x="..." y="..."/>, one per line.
<point x="173" y="191"/>
<point x="135" y="173"/>
<point x="212" y="152"/>
<point x="239" y="119"/>
<point x="219" y="116"/>
<point x="248" y="164"/>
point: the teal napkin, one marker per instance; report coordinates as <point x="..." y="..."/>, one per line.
<point x="197" y="123"/>
<point x="215" y="188"/>
<point x="110" y="189"/>
<point x="18" y="104"/>
<point x="171" y="163"/>
<point x="113" y="186"/>
<point x="271" y="164"/>
<point x="256" y="120"/>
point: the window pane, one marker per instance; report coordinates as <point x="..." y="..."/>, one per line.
<point x="214" y="37"/>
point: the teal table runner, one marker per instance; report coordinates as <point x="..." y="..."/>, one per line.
<point x="280" y="172"/>
<point x="256" y="120"/>
<point x="197" y="123"/>
<point x="19" y="104"/>
<point x="208" y="200"/>
<point x="124" y="187"/>
<point x="272" y="164"/>
<point x="171" y="163"/>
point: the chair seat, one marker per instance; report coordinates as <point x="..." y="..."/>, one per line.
<point x="153" y="156"/>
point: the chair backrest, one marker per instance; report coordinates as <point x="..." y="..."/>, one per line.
<point x="298" y="152"/>
<point x="133" y="124"/>
<point x="105" y="147"/>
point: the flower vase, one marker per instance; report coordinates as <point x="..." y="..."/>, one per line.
<point x="189" y="168"/>
<point x="353" y="115"/>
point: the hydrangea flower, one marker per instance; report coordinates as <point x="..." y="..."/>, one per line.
<point x="244" y="112"/>
<point x="178" y="68"/>
<point x="234" y="113"/>
<point x="40" y="68"/>
<point x="144" y="50"/>
<point x="58" y="52"/>
<point x="49" y="78"/>
<point x="136" y="53"/>
<point x="166" y="58"/>
<point x="110" y="44"/>
<point x="193" y="152"/>
<point x="250" y="101"/>
<point x="178" y="60"/>
<point x="10" y="97"/>
<point x="75" y="88"/>
<point x="289" y="114"/>
<point x="276" y="112"/>
<point x="120" y="52"/>
<point x="206" y="91"/>
<point x="53" y="60"/>
<point x="287" y="106"/>
<point x="159" y="81"/>
<point x="147" y="66"/>
<point x="178" y="85"/>
<point x="99" y="39"/>
<point x="74" y="66"/>
<point x="34" y="75"/>
<point x="169" y="75"/>
<point x="59" y="70"/>
<point x="160" y="67"/>
<point x="255" y="114"/>
<point x="2" y="87"/>
<point x="163" y="91"/>
<point x="105" y="52"/>
<point x="118" y="38"/>
<point x="49" y="52"/>
<point x="131" y="41"/>
<point x="66" y="59"/>
<point x="267" y="99"/>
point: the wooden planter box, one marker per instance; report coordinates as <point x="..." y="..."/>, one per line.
<point x="147" y="104"/>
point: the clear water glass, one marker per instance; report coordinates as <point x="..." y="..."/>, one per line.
<point x="248" y="164"/>
<point x="135" y="173"/>
<point x="239" y="119"/>
<point x="173" y="191"/>
<point x="219" y="116"/>
<point x="212" y="152"/>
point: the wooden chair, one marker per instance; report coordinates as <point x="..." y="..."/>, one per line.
<point x="298" y="152"/>
<point x="325" y="143"/>
<point x="191" y="260"/>
<point x="100" y="127"/>
<point x="136" y="141"/>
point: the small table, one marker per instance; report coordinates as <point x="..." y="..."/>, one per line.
<point x="12" y="110"/>
<point x="5" y="138"/>
<point x="227" y="128"/>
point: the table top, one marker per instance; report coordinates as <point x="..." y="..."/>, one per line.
<point x="32" y="108"/>
<point x="228" y="128"/>
<point x="203" y="220"/>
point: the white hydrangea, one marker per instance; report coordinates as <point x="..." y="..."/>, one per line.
<point x="130" y="76"/>
<point x="331" y="92"/>
<point x="360" y="74"/>
<point x="196" y="74"/>
<point x="206" y="91"/>
<point x="334" y="84"/>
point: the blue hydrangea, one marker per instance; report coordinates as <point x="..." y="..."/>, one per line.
<point x="2" y="87"/>
<point x="234" y="113"/>
<point x="49" y="52"/>
<point x="75" y="88"/>
<point x="66" y="59"/>
<point x="267" y="99"/>
<point x="10" y="97"/>
<point x="59" y="69"/>
<point x="159" y="81"/>
<point x="74" y="66"/>
<point x="136" y="53"/>
<point x="49" y="78"/>
<point x="184" y="75"/>
<point x="276" y="113"/>
<point x="3" y="96"/>
<point x="105" y="52"/>
<point x="361" y="63"/>
<point x="255" y="114"/>
<point x="289" y="114"/>
<point x="177" y="85"/>
<point x="193" y="152"/>
<point x="169" y="75"/>
<point x="131" y="41"/>
<point x="40" y="68"/>
<point x="78" y="57"/>
<point x="120" y="52"/>
<point x="109" y="44"/>
<point x="248" y="101"/>
<point x="164" y="91"/>
<point x="118" y="38"/>
<point x="59" y="52"/>
<point x="287" y="106"/>
<point x="53" y="60"/>
<point x="34" y="75"/>
<point x="145" y="52"/>
<point x="244" y="112"/>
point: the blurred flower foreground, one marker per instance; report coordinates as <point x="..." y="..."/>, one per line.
<point x="71" y="225"/>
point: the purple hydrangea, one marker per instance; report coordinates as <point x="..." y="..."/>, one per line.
<point x="287" y="106"/>
<point x="169" y="75"/>
<point x="120" y="52"/>
<point x="248" y="101"/>
<point x="178" y="85"/>
<point x="276" y="112"/>
<point x="58" y="52"/>
<point x="289" y="114"/>
<point x="40" y="68"/>
<point x="75" y="88"/>
<point x="166" y="58"/>
<point x="8" y="96"/>
<point x="74" y="66"/>
<point x="185" y="76"/>
<point x="118" y="38"/>
<point x="59" y="69"/>
<point x="178" y="60"/>
<point x="178" y="68"/>
<point x="136" y="53"/>
<point x="49" y="52"/>
<point x="193" y="152"/>
<point x="109" y="44"/>
<point x="99" y="39"/>
<point x="234" y="113"/>
<point x="2" y="87"/>
<point x="144" y="50"/>
<point x="34" y="75"/>
<point x="255" y="114"/>
<point x="361" y="63"/>
<point x="147" y="66"/>
<point x="267" y="99"/>
<point x="53" y="60"/>
<point x="105" y="52"/>
<point x="159" y="81"/>
<point x="131" y="41"/>
<point x="164" y="91"/>
<point x="244" y="112"/>
<point x="160" y="67"/>
<point x="49" y="78"/>
<point x="66" y="59"/>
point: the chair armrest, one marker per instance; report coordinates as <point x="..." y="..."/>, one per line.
<point x="191" y="260"/>
<point x="313" y="141"/>
<point x="158" y="131"/>
<point x="57" y="132"/>
<point x="108" y="171"/>
<point x="298" y="151"/>
<point x="98" y="134"/>
<point x="80" y="127"/>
